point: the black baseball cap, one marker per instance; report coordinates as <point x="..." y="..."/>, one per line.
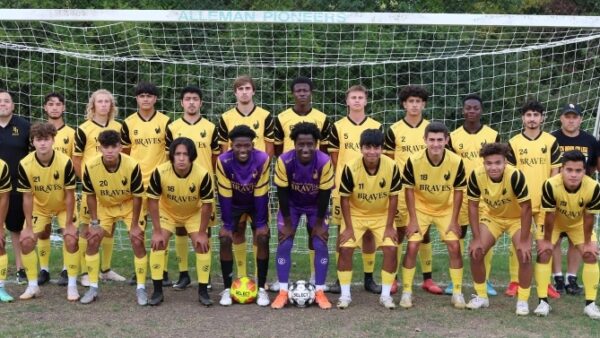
<point x="572" y="108"/>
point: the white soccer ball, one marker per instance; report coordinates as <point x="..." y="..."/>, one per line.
<point x="301" y="293"/>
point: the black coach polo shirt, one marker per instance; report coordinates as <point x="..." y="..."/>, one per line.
<point x="14" y="145"/>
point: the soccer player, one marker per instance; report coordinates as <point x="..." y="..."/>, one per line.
<point x="304" y="179"/>
<point x="467" y="141"/>
<point x="54" y="107"/>
<point x="180" y="194"/>
<point x="47" y="181"/>
<point x="571" y="137"/>
<point x="101" y="111"/>
<point x="247" y="113"/>
<point x="537" y="155"/>
<point x="302" y="111"/>
<point x="434" y="181"/>
<point x="570" y="200"/>
<point x="143" y="136"/>
<point x="204" y="135"/>
<point x="403" y="139"/>
<point x="14" y="137"/>
<point x="503" y="190"/>
<point x="243" y="181"/>
<point x="369" y="193"/>
<point x="5" y="189"/>
<point x="112" y="184"/>
<point x="344" y="146"/>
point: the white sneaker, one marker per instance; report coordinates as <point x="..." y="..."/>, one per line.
<point x="344" y="302"/>
<point x="263" y="297"/>
<point x="478" y="302"/>
<point x="274" y="287"/>
<point x="72" y="293"/>
<point x="458" y="300"/>
<point x="522" y="308"/>
<point x="225" y="297"/>
<point x="31" y="292"/>
<point x="111" y="275"/>
<point x="387" y="302"/>
<point x="85" y="280"/>
<point x="406" y="300"/>
<point x="543" y="309"/>
<point x="592" y="311"/>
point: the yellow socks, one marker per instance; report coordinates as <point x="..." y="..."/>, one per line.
<point x="30" y="262"/>
<point x="240" y="256"/>
<point x="456" y="275"/>
<point x="157" y="261"/>
<point x="590" y="276"/>
<point x="107" y="251"/>
<point x="71" y="262"/>
<point x="345" y="277"/>
<point x="43" y="249"/>
<point x="425" y="257"/>
<point x="203" y="262"/>
<point x="82" y="253"/>
<point x="311" y="260"/>
<point x="166" y="266"/>
<point x="524" y="293"/>
<point x="368" y="262"/>
<point x="480" y="289"/>
<point x="93" y="265"/>
<point x="408" y="275"/>
<point x="488" y="263"/>
<point x="181" y="251"/>
<point x="399" y="257"/>
<point x="141" y="268"/>
<point x="542" y="273"/>
<point x="3" y="267"/>
<point x="387" y="278"/>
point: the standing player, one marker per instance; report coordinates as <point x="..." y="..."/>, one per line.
<point x="5" y="189"/>
<point x="247" y="113"/>
<point x="304" y="179"/>
<point x="112" y="184"/>
<point x="243" y="181"/>
<point x="537" y="155"/>
<point x="369" y="193"/>
<point x="64" y="142"/>
<point x="344" y="146"/>
<point x="204" y="135"/>
<point x="434" y="183"/>
<point x="180" y="194"/>
<point x="101" y="112"/>
<point x="143" y="137"/>
<point x="571" y="137"/>
<point x="14" y="137"/>
<point x="47" y="181"/>
<point x="467" y="141"/>
<point x="504" y="192"/>
<point x="570" y="200"/>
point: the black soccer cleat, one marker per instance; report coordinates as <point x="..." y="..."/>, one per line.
<point x="156" y="298"/>
<point x="133" y="280"/>
<point x="572" y="288"/>
<point x="21" y="277"/>
<point x="183" y="282"/>
<point x="63" y="279"/>
<point x="43" y="277"/>
<point x="335" y="287"/>
<point x="203" y="296"/>
<point x="371" y="286"/>
<point x="166" y="281"/>
<point x="559" y="284"/>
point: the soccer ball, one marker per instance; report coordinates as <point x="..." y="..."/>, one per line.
<point x="244" y="290"/>
<point x="301" y="293"/>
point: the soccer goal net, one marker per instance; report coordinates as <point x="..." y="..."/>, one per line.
<point x="505" y="59"/>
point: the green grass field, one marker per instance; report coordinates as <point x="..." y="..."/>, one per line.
<point x="116" y="313"/>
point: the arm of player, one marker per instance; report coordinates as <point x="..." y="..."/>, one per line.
<point x="524" y="242"/>
<point x="125" y="140"/>
<point x="475" y="247"/>
<point x="77" y="165"/>
<point x="346" y="190"/>
<point x="457" y="204"/>
<point x="390" y="229"/>
<point x="137" y="190"/>
<point x="158" y="240"/>
<point x="283" y="195"/>
<point x="278" y="137"/>
<point x="408" y="179"/>
<point x="27" y="232"/>
<point x="549" y="207"/>
<point x="207" y="196"/>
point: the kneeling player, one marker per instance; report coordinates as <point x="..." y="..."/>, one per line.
<point x="113" y="187"/>
<point x="369" y="198"/>
<point x="47" y="181"/>
<point x="503" y="190"/>
<point x="243" y="184"/>
<point x="304" y="179"/>
<point x="570" y="200"/>
<point x="180" y="195"/>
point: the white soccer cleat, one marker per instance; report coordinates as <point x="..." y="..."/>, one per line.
<point x="406" y="300"/>
<point x="90" y="296"/>
<point x="522" y="308"/>
<point x="32" y="291"/>
<point x="274" y="287"/>
<point x="458" y="300"/>
<point x="111" y="275"/>
<point x="343" y="302"/>
<point x="592" y="311"/>
<point x="387" y="302"/>
<point x="478" y="302"/>
<point x="85" y="280"/>
<point x="543" y="309"/>
<point x="263" y="297"/>
<point x="225" y="297"/>
<point x="72" y="293"/>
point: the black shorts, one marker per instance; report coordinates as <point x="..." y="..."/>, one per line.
<point x="242" y="216"/>
<point x="15" y="217"/>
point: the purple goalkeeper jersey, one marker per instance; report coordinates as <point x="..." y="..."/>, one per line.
<point x="304" y="180"/>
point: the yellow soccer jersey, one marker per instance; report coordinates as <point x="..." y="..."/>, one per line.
<point x="146" y="140"/>
<point x="259" y="119"/>
<point x="47" y="183"/>
<point x="403" y="140"/>
<point x="434" y="185"/>
<point x="501" y="198"/>
<point x="344" y="138"/>
<point x="86" y="138"/>
<point x="204" y="135"/>
<point x="113" y="188"/>
<point x="369" y="194"/>
<point x="286" y="120"/>
<point x="5" y="185"/>
<point x="468" y="145"/>
<point x="180" y="197"/>
<point x="64" y="141"/>
<point x="535" y="158"/>
<point x="569" y="207"/>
